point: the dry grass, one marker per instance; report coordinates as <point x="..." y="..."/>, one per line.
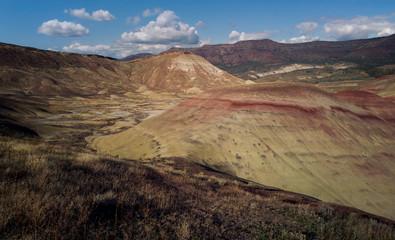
<point x="52" y="192"/>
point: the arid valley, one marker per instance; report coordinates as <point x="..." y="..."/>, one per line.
<point x="251" y="140"/>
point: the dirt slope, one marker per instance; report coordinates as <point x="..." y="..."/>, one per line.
<point x="295" y="137"/>
<point x="381" y="107"/>
<point x="180" y="72"/>
<point x="383" y="86"/>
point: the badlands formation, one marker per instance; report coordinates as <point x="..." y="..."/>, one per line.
<point x="180" y="72"/>
<point x="291" y="136"/>
<point x="300" y="138"/>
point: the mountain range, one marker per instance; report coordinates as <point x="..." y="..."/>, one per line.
<point x="259" y="55"/>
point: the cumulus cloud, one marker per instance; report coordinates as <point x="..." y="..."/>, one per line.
<point x="157" y="36"/>
<point x="78" y="47"/>
<point x="118" y="49"/>
<point x="307" y="27"/>
<point x="149" y="12"/>
<point x="99" y="15"/>
<point x="64" y="29"/>
<point x="235" y="36"/>
<point x="359" y="27"/>
<point x="165" y="30"/>
<point x="303" y="39"/>
<point x="203" y="42"/>
<point x="200" y="24"/>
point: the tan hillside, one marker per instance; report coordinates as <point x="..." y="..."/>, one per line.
<point x="383" y="86"/>
<point x="30" y="71"/>
<point x="384" y="108"/>
<point x="180" y="72"/>
<point x="294" y="137"/>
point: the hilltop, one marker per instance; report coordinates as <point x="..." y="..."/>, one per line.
<point x="180" y="72"/>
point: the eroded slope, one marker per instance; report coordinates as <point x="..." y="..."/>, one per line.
<point x="294" y="137"/>
<point x="180" y="72"/>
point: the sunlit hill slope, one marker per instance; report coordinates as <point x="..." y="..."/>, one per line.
<point x="295" y="137"/>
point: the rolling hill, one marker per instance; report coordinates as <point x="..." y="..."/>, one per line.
<point x="179" y="72"/>
<point x="291" y="136"/>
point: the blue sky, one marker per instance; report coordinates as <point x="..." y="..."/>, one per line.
<point x="119" y="28"/>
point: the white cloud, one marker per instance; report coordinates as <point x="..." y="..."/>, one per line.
<point x="149" y="13"/>
<point x="64" y="29"/>
<point x="303" y="39"/>
<point x="235" y="36"/>
<point x="200" y="24"/>
<point x="118" y="49"/>
<point x="166" y="18"/>
<point x="359" y="27"/>
<point x="81" y="13"/>
<point x="204" y="42"/>
<point x="157" y="36"/>
<point x="165" y="30"/>
<point x="99" y="15"/>
<point x="307" y="27"/>
<point x="102" y="15"/>
<point x="78" y="47"/>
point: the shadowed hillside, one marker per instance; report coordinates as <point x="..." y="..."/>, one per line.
<point x="31" y="71"/>
<point x="58" y="192"/>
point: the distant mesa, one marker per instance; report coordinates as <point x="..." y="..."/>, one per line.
<point x="244" y="56"/>
<point x="291" y="136"/>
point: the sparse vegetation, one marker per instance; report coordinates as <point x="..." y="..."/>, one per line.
<point x="57" y="192"/>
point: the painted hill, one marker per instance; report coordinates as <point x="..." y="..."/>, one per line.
<point x="295" y="137"/>
<point x="381" y="107"/>
<point x="180" y="72"/>
<point x="383" y="86"/>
